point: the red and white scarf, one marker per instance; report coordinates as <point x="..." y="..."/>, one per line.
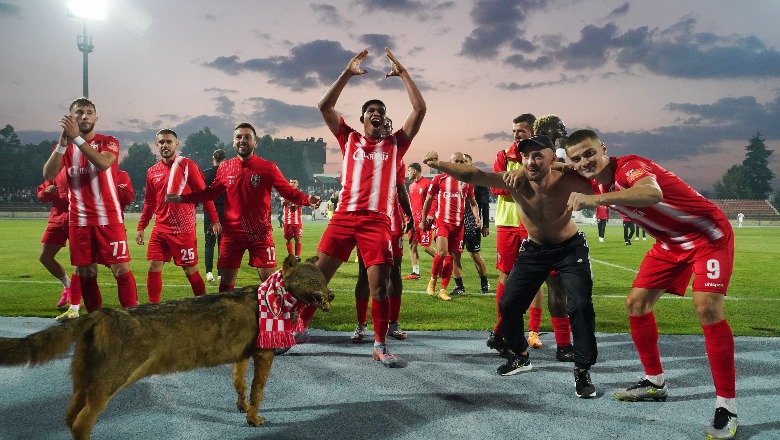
<point x="277" y="306"/>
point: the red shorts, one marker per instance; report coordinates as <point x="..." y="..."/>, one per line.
<point x="232" y="247"/>
<point x="711" y="266"/>
<point x="56" y="235"/>
<point x="453" y="234"/>
<point x="397" y="241"/>
<point x="508" y="240"/>
<point x="164" y="245"/>
<point x="370" y="231"/>
<point x="293" y="231"/>
<point x="98" y="244"/>
<point x="420" y="236"/>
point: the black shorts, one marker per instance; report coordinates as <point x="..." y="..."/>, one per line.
<point x="472" y="241"/>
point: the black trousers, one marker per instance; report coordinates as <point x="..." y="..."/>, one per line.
<point x="210" y="241"/>
<point x="628" y="231"/>
<point x="602" y="227"/>
<point x="534" y="262"/>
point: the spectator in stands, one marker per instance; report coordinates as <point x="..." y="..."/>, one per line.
<point x="740" y="219"/>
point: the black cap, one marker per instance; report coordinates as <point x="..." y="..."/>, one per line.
<point x="541" y="140"/>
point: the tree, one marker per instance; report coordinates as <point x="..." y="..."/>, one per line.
<point x="138" y="160"/>
<point x="200" y="147"/>
<point x="751" y="179"/>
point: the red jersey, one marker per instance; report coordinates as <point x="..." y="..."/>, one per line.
<point x="93" y="193"/>
<point x="602" y="213"/>
<point x="369" y="170"/>
<point x="418" y="191"/>
<point x="247" y="186"/>
<point x="292" y="214"/>
<point x="58" y="199"/>
<point x="180" y="176"/>
<point x="683" y="220"/>
<point x="451" y="196"/>
<point x="125" y="187"/>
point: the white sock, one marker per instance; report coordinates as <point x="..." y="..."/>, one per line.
<point x="65" y="280"/>
<point x="656" y="379"/>
<point x="416" y="269"/>
<point x="75" y="307"/>
<point x="729" y="403"/>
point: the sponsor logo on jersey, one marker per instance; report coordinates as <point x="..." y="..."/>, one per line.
<point x="360" y="154"/>
<point x="79" y="171"/>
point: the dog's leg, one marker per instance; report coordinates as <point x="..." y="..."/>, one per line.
<point x="85" y="420"/>
<point x="77" y="403"/>
<point x="264" y="358"/>
<point x="239" y="383"/>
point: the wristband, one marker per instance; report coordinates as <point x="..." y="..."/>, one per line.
<point x="60" y="149"/>
<point x="78" y="140"/>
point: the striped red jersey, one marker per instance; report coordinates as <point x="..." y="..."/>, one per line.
<point x="292" y="214"/>
<point x="369" y="170"/>
<point x="93" y="193"/>
<point x="180" y="176"/>
<point x="247" y="186"/>
<point x="683" y="220"/>
<point x="451" y="197"/>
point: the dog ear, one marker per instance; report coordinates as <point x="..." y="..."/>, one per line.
<point x="289" y="262"/>
<point x="313" y="260"/>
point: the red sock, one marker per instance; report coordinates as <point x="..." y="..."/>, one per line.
<point x="719" y="342"/>
<point x="75" y="289"/>
<point x="90" y="293"/>
<point x="128" y="293"/>
<point x="307" y="314"/>
<point x="395" y="308"/>
<point x="198" y="286"/>
<point x="289" y="247"/>
<point x="499" y="294"/>
<point x="380" y="313"/>
<point x="298" y="249"/>
<point x="644" y="332"/>
<point x="561" y="330"/>
<point x="226" y="287"/>
<point x="534" y="319"/>
<point x="436" y="266"/>
<point x="361" y="310"/>
<point x="446" y="271"/>
<point x="154" y="286"/>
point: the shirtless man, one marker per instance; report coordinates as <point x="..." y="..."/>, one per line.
<point x="553" y="243"/>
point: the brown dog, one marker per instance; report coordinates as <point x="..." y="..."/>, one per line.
<point x="115" y="348"/>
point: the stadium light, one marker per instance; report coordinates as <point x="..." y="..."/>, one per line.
<point x="94" y="10"/>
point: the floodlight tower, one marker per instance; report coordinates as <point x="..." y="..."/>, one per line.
<point x="86" y="10"/>
<point x="84" y="43"/>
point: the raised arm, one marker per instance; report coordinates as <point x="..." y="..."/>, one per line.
<point x="465" y="173"/>
<point x="414" y="120"/>
<point x="327" y="104"/>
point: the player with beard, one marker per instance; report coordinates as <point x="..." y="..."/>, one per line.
<point x="693" y="237"/>
<point x="96" y="227"/>
<point x="368" y="194"/>
<point x="553" y="243"/>
<point x="174" y="234"/>
<point x="246" y="180"/>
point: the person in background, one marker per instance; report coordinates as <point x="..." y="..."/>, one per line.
<point x="602" y="218"/>
<point x="628" y="229"/>
<point x="211" y="239"/>
<point x="418" y="190"/>
<point x="293" y="223"/>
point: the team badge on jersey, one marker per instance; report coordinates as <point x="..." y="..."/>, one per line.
<point x="254" y="180"/>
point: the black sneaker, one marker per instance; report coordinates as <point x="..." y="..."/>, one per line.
<point x="516" y="364"/>
<point x="724" y="425"/>
<point x="565" y="353"/>
<point x="583" y="387"/>
<point x="458" y="290"/>
<point x="495" y="342"/>
<point x="486" y="287"/>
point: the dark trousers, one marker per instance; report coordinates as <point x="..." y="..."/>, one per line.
<point x="628" y="231"/>
<point x="532" y="266"/>
<point x="602" y="227"/>
<point x="211" y="240"/>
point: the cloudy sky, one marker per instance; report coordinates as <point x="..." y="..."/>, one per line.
<point x="683" y="82"/>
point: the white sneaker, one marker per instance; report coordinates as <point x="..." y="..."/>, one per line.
<point x="601" y="239"/>
<point x="209" y="277"/>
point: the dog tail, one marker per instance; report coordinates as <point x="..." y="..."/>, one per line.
<point x="41" y="347"/>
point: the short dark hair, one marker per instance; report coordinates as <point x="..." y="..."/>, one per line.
<point x="167" y="131"/>
<point x="81" y="102"/>
<point x="416" y="166"/>
<point x="219" y="155"/>
<point x="528" y="118"/>
<point x="246" y="125"/>
<point x="369" y="102"/>
<point x="580" y="135"/>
